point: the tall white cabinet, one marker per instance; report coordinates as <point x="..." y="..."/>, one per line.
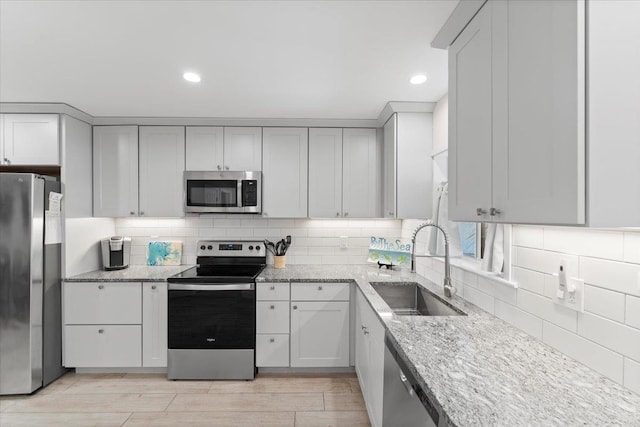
<point x="161" y="169"/>
<point x="29" y="139"/>
<point x="284" y="172"/>
<point x="115" y="171"/>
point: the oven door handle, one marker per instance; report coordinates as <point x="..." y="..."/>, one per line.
<point x="213" y="287"/>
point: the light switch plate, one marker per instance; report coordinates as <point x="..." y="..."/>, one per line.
<point x="344" y="242"/>
<point x="571" y="300"/>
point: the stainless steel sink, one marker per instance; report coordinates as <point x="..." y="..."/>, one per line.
<point x="411" y="299"/>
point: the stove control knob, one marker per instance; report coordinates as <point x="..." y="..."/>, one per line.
<point x="209" y="247"/>
<point x="250" y="248"/>
<point x="203" y="247"/>
<point x="257" y="248"/>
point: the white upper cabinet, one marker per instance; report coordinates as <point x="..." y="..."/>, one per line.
<point x="243" y="148"/>
<point x="517" y="114"/>
<point x="361" y="183"/>
<point x="210" y="148"/>
<point x="30" y="139"/>
<point x="161" y="171"/>
<point x="115" y="171"/>
<point x="408" y="171"/>
<point x="284" y="172"/>
<point x="204" y="148"/>
<point x="325" y="173"/>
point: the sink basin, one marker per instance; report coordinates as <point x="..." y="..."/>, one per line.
<point x="411" y="299"/>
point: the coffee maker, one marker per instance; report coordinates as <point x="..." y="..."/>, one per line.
<point x="116" y="252"/>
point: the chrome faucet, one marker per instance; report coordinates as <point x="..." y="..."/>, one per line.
<point x="449" y="289"/>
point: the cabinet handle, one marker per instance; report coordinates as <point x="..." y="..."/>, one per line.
<point x="337" y="213"/>
<point x="346" y="214"/>
<point x="391" y="213"/>
<point x="365" y="330"/>
<point x="132" y="213"/>
<point x="480" y="211"/>
<point x="7" y="161"/>
<point x="295" y="307"/>
<point x="494" y="212"/>
<point x="273" y="288"/>
<point x="272" y="340"/>
<point x="219" y="167"/>
<point x="363" y="327"/>
<point x="319" y="288"/>
<point x="101" y="331"/>
<point x="153" y="287"/>
<point x="141" y="212"/>
<point x="100" y="286"/>
<point x="272" y="307"/>
<point x="226" y="168"/>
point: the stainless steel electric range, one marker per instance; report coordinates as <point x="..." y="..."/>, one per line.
<point x="212" y="312"/>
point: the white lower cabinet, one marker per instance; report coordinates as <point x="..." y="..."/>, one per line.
<point x="320" y="324"/>
<point x="115" y="324"/>
<point x="154" y="324"/>
<point x="272" y="325"/>
<point x="102" y="346"/>
<point x="369" y="337"/>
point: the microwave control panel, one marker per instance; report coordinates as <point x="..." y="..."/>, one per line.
<point x="249" y="192"/>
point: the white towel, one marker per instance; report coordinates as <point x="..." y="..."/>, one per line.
<point x="493" y="259"/>
<point x="450" y="226"/>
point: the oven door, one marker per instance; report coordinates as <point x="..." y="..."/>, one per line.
<point x="212" y="316"/>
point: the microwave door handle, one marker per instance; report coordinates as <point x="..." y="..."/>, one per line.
<point x="239" y="194"/>
<point x="212" y="287"/>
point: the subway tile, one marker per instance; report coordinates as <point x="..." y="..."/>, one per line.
<point x="632" y="311"/>
<point x="587" y="242"/>
<point x="519" y="318"/>
<point x="529" y="280"/>
<point x="466" y="277"/>
<point x="497" y="290"/>
<point x="482" y="300"/>
<point x="255" y="223"/>
<point x="281" y="223"/>
<point x="239" y="232"/>
<point x="546" y="261"/>
<point x="632" y="246"/>
<point x="294" y="232"/>
<point x="211" y="233"/>
<point x="616" y="336"/>
<point x="598" y="358"/>
<point x="604" y="303"/>
<point x="616" y="276"/>
<point x="632" y="375"/>
<point x="546" y="309"/>
<point x="528" y="236"/>
<point x="227" y="222"/>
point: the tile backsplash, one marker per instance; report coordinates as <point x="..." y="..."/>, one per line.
<point x="314" y="241"/>
<point x="606" y="336"/>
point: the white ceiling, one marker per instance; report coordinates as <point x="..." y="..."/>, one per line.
<point x="258" y="59"/>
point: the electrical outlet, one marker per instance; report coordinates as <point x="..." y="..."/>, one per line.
<point x="573" y="297"/>
<point x="344" y="242"/>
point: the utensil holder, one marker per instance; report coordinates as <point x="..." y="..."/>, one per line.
<point x="279" y="261"/>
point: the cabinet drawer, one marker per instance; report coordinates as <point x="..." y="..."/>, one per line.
<point x="320" y="291"/>
<point x="102" y="346"/>
<point x="100" y="303"/>
<point x="272" y="350"/>
<point x="272" y="317"/>
<point x="272" y="291"/>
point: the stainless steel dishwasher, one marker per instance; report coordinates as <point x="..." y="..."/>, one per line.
<point x="404" y="402"/>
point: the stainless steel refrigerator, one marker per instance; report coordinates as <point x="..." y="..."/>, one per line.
<point x="30" y="286"/>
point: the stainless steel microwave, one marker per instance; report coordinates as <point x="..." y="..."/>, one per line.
<point x="223" y="191"/>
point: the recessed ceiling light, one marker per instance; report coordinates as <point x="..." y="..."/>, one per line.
<point x="191" y="77"/>
<point x="418" y="79"/>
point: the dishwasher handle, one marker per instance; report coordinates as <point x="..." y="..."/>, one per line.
<point x="212" y="287"/>
<point x="407" y="385"/>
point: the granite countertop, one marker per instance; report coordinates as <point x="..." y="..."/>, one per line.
<point x="133" y="273"/>
<point x="478" y="369"/>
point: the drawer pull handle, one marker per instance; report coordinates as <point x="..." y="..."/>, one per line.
<point x="273" y="288"/>
<point x="272" y="340"/>
<point x="272" y="307"/>
<point x="295" y="307"/>
<point x="100" y="286"/>
<point x="132" y="213"/>
<point x="153" y="287"/>
<point x="319" y="288"/>
<point x="101" y="331"/>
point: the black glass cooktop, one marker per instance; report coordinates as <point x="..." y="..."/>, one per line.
<point x="218" y="274"/>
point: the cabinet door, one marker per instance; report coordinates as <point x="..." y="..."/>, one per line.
<point x="539" y="111"/>
<point x="204" y="148"/>
<point x="325" y="173"/>
<point x="102" y="346"/>
<point x="362" y="347"/>
<point x="389" y="168"/>
<point x="284" y="172"/>
<point x="115" y="171"/>
<point x="375" y="373"/>
<point x="161" y="171"/>
<point x="31" y="139"/>
<point x="154" y="324"/>
<point x="360" y="174"/>
<point x="470" y="133"/>
<point x="242" y="148"/>
<point x="319" y="334"/>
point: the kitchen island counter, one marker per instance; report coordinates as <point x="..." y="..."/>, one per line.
<point x="478" y="369"/>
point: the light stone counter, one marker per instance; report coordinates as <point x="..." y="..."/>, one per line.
<point x="477" y="369"/>
<point x="133" y="273"/>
